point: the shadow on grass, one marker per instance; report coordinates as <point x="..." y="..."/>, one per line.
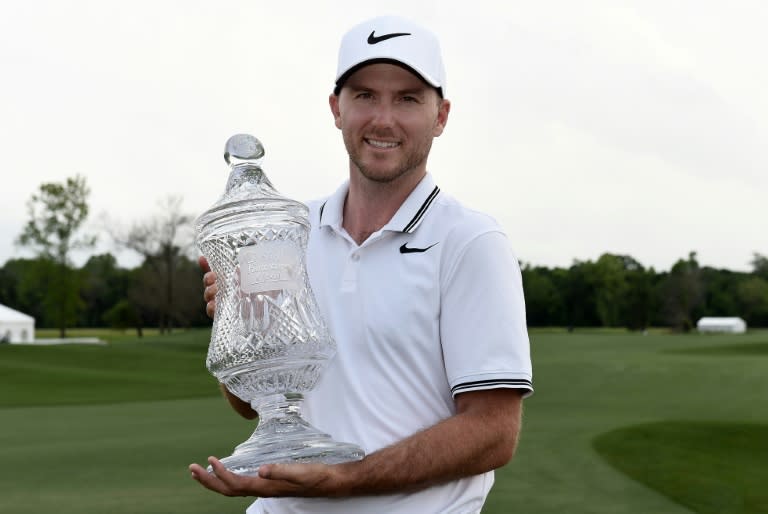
<point x="737" y="349"/>
<point x="708" y="467"/>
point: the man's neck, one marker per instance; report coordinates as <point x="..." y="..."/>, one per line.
<point x="371" y="205"/>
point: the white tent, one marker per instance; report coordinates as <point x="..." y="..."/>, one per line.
<point x="730" y="325"/>
<point x="16" y="327"/>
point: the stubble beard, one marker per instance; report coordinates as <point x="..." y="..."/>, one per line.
<point x="413" y="160"/>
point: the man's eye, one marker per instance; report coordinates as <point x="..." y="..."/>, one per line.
<point x="364" y="95"/>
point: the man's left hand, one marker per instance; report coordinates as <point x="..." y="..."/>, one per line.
<point x="273" y="480"/>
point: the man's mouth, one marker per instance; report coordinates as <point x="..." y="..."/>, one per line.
<point x="382" y="144"/>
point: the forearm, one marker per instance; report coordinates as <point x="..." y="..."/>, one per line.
<point x="473" y="441"/>
<point x="480" y="437"/>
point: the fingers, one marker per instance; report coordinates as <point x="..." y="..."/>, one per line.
<point x="203" y="263"/>
<point x="230" y="481"/>
<point x="307" y="477"/>
<point x="273" y="480"/>
<point x="221" y="480"/>
<point x="209" y="480"/>
<point x="277" y="472"/>
<point x="266" y="470"/>
<point x="209" y="293"/>
<point x="209" y="279"/>
<point x="210" y="309"/>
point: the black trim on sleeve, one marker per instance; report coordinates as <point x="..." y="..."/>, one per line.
<point x="512" y="383"/>
<point x="420" y="214"/>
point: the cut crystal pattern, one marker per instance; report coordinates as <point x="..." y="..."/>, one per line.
<point x="267" y="347"/>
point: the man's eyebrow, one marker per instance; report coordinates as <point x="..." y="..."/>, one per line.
<point x="359" y="87"/>
<point x="413" y="91"/>
<point x="356" y="86"/>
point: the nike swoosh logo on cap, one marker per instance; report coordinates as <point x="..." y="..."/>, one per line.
<point x="373" y="39"/>
<point x="406" y="249"/>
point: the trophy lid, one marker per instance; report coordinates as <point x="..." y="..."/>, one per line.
<point x="248" y="190"/>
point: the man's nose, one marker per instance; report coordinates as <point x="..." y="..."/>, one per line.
<point x="383" y="114"/>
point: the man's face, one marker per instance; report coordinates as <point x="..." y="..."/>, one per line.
<point x="388" y="117"/>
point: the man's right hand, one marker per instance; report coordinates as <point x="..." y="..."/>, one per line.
<point x="209" y="283"/>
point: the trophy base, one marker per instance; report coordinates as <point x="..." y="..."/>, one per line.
<point x="283" y="436"/>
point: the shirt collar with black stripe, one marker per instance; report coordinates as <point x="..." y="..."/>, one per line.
<point x="407" y="218"/>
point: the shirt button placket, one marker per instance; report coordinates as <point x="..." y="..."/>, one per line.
<point x="349" y="281"/>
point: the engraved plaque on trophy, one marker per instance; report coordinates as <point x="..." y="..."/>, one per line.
<point x="269" y="342"/>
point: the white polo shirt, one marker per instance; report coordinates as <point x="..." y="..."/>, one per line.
<point x="428" y="307"/>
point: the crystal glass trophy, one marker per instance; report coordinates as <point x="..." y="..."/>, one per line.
<point x="269" y="342"/>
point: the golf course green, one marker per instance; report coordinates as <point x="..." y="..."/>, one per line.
<point x="620" y="423"/>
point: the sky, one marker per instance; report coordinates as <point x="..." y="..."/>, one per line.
<point x="636" y="128"/>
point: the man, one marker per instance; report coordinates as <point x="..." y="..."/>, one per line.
<point x="423" y="297"/>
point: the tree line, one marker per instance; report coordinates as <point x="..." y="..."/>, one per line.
<point x="613" y="291"/>
<point x="617" y="291"/>
<point x="103" y="294"/>
<point x="165" y="290"/>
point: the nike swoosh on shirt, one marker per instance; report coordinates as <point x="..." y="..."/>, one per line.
<point x="406" y="249"/>
<point x="373" y="39"/>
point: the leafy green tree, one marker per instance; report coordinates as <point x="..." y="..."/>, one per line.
<point x="9" y="286"/>
<point x="682" y="293"/>
<point x="103" y="284"/>
<point x="623" y="294"/>
<point x="27" y="286"/>
<point x="580" y="295"/>
<point x="611" y="289"/>
<point x="543" y="300"/>
<point x="20" y="290"/>
<point x="124" y="314"/>
<point x="720" y="291"/>
<point x="760" y="265"/>
<point x="57" y="212"/>
<point x="753" y="298"/>
<point x="640" y="303"/>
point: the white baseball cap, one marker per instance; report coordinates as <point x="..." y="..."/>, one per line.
<point x="391" y="39"/>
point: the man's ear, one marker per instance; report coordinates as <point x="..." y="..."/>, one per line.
<point x="442" y="117"/>
<point x="333" y="101"/>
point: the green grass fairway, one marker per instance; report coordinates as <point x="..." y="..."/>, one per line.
<point x="713" y="468"/>
<point x="592" y="383"/>
<point x="126" y="370"/>
<point x="112" y="428"/>
<point x="125" y="458"/>
<point x="620" y="424"/>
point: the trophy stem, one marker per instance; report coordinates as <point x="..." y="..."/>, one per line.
<point x="274" y="407"/>
<point x="282" y="435"/>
